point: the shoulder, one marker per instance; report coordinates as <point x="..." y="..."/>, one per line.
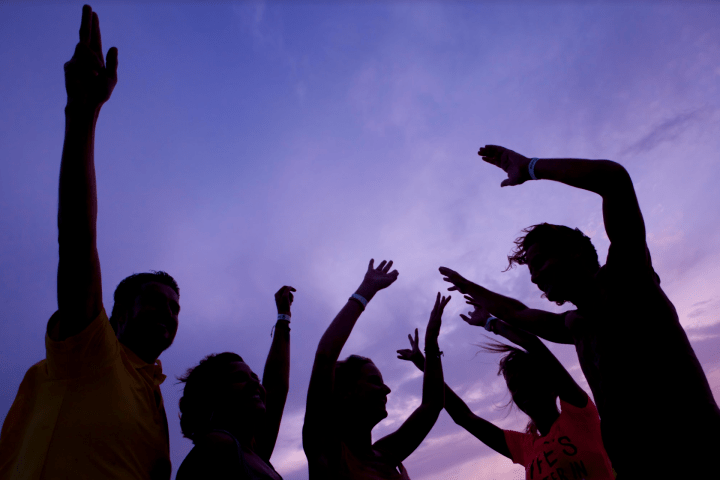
<point x="83" y="354"/>
<point x="214" y="456"/>
<point x="588" y="411"/>
<point x="217" y="440"/>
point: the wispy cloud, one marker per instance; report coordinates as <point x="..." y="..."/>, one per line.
<point x="668" y="130"/>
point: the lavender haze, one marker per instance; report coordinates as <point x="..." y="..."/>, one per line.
<point x="252" y="145"/>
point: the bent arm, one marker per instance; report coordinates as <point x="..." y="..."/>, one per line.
<point x="397" y="446"/>
<point x="318" y="431"/>
<point x="624" y="222"/>
<point x="276" y="381"/>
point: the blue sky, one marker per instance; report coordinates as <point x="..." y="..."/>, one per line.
<point x="249" y="145"/>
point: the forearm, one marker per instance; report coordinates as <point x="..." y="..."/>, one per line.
<point x="79" y="291"/>
<point x="496" y="304"/>
<point x="276" y="375"/>
<point x="336" y="335"/>
<point x="433" y="394"/>
<point x="599" y="176"/>
<point x="486" y="432"/>
<point x="276" y="379"/>
<point x="520" y="337"/>
<point x="457" y="408"/>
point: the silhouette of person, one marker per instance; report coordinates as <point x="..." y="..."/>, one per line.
<point x="93" y="407"/>
<point x="559" y="445"/>
<point x="347" y="399"/>
<point x="232" y="418"/>
<point x="648" y="384"/>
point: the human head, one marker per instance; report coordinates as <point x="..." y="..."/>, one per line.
<point x="531" y="390"/>
<point x="561" y="259"/>
<point x="145" y="313"/>
<point x="220" y="391"/>
<point x="359" y="394"/>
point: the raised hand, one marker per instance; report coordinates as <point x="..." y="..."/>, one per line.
<point x="89" y="80"/>
<point x="479" y="316"/>
<point x="460" y="283"/>
<point x="381" y="277"/>
<point x="413" y="354"/>
<point x="283" y="299"/>
<point x="514" y="164"/>
<point x="433" y="327"/>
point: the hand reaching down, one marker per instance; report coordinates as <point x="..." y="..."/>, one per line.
<point x="479" y="316"/>
<point x="514" y="164"/>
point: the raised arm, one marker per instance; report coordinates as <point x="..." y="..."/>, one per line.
<point x="486" y="432"/>
<point x="568" y="389"/>
<point x="318" y="428"/>
<point x="89" y="81"/>
<point x="550" y="326"/>
<point x="398" y="445"/>
<point x="276" y="376"/>
<point x="623" y="220"/>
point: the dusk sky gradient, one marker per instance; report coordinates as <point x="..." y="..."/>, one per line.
<point x="251" y="145"/>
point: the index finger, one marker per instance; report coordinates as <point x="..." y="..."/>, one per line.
<point x="85" y="24"/>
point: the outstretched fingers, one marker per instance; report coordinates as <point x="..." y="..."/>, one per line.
<point x="386" y="269"/>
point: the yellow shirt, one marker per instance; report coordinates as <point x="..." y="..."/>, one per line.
<point x="91" y="410"/>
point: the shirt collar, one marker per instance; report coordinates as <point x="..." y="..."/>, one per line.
<point x="149" y="370"/>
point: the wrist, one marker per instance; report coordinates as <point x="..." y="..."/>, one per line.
<point x="283" y="316"/>
<point x="366" y="291"/>
<point x="532" y="175"/>
<point x="77" y="109"/>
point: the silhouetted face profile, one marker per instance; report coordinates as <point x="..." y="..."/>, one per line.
<point x="242" y="394"/>
<point x="560" y="276"/>
<point x="368" y="398"/>
<point x="150" y="323"/>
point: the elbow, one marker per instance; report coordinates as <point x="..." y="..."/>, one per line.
<point x="615" y="176"/>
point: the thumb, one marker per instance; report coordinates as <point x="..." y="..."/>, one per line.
<point x="506" y="183"/>
<point x="111" y="62"/>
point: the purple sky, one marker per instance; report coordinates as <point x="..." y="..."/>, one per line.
<point x="250" y="145"/>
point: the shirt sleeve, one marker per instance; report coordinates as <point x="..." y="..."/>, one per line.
<point x="588" y="415"/>
<point x="518" y="443"/>
<point x="86" y="353"/>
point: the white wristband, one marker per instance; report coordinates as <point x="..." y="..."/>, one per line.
<point x="360" y="298"/>
<point x="489" y="323"/>
<point x="531" y="167"/>
<point x="282" y="316"/>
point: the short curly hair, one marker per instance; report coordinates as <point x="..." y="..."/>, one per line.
<point x="557" y="238"/>
<point x="202" y="387"/>
<point x="130" y="287"/>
